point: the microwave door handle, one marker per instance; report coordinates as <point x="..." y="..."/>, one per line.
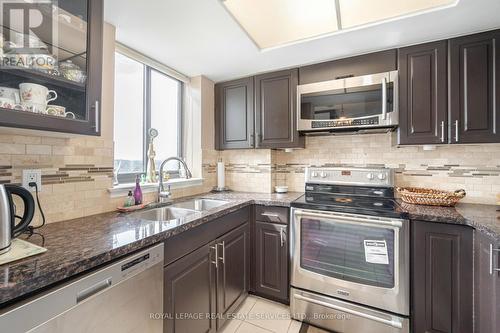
<point x="384" y="98"/>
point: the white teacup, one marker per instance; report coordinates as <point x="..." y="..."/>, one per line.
<point x="32" y="93"/>
<point x="11" y="94"/>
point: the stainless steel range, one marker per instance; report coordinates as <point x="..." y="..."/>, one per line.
<point x="350" y="252"/>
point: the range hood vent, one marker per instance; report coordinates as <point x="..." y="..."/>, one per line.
<point x="350" y="131"/>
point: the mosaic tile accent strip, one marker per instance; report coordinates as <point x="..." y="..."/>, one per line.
<point x="475" y="168"/>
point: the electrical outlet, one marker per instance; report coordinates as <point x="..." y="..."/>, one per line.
<point x="32" y="175"/>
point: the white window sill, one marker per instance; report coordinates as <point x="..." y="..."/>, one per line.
<point x="122" y="189"/>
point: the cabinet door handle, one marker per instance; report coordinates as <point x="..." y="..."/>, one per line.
<point x="270" y="214"/>
<point x="216" y="262"/>
<point x="223" y="258"/>
<point x="96" y="114"/>
<point x="282" y="237"/>
<point x="456" y="130"/>
<point x="442" y="131"/>
<point x="384" y="99"/>
<point x="493" y="269"/>
<point x="252" y="141"/>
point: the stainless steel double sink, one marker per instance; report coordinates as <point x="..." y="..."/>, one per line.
<point x="179" y="210"/>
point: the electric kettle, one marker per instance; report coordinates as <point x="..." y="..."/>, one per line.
<point x="8" y="227"/>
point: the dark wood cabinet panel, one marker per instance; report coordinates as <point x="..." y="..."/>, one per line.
<point x="442" y="278"/>
<point x="371" y="63"/>
<point x="233" y="271"/>
<point x="213" y="279"/>
<point x="94" y="85"/>
<point x="423" y="94"/>
<point x="271" y="255"/>
<point x="234" y="114"/>
<point x="486" y="285"/>
<point x="189" y="287"/>
<point x="276" y="110"/>
<point x="475" y="88"/>
<point x="184" y="243"/>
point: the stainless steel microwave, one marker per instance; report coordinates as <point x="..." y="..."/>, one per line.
<point x="349" y="104"/>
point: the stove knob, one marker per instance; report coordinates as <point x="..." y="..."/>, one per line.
<point x="381" y="176"/>
<point x="314" y="174"/>
<point x="324" y="175"/>
<point x="370" y="176"/>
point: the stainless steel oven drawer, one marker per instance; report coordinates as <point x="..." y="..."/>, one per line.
<point x="343" y="317"/>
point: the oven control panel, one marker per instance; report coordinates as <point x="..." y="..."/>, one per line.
<point x="345" y="122"/>
<point x="383" y="177"/>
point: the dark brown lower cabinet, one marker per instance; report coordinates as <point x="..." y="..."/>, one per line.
<point x="232" y="271"/>
<point x="271" y="260"/>
<point x="486" y="284"/>
<point x="202" y="287"/>
<point x="190" y="287"/>
<point x="442" y="278"/>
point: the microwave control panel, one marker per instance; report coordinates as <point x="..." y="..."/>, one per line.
<point x="345" y="122"/>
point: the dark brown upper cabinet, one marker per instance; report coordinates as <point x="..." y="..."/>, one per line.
<point x="486" y="284"/>
<point x="475" y="88"/>
<point x="78" y="42"/>
<point x="234" y="114"/>
<point x="442" y="278"/>
<point x="371" y="63"/>
<point x="276" y="110"/>
<point x="423" y="94"/>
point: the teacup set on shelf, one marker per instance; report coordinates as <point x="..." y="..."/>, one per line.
<point x="32" y="97"/>
<point x="13" y="54"/>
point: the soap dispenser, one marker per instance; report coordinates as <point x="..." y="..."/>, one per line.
<point x="138" y="191"/>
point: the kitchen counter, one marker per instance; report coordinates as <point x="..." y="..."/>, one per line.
<point x="79" y="245"/>
<point x="484" y="218"/>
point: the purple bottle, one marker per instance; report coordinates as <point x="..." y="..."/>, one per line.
<point x="137" y="191"/>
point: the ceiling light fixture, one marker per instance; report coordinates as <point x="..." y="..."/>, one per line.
<point x="274" y="23"/>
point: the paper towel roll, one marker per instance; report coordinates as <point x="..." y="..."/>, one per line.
<point x="220" y="175"/>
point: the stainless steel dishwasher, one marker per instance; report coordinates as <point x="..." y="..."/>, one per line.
<point x="125" y="296"/>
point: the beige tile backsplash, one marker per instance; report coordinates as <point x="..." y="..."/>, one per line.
<point x="76" y="174"/>
<point x="475" y="168"/>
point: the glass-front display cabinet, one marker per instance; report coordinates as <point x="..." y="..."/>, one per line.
<point x="51" y="69"/>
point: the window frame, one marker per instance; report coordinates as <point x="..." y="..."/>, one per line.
<point x="129" y="177"/>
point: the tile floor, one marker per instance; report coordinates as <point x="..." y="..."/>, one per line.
<point x="258" y="315"/>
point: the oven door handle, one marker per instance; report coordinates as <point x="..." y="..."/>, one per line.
<point x="348" y="219"/>
<point x="393" y="323"/>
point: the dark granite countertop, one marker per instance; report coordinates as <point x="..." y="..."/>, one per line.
<point x="484" y="218"/>
<point x="79" y="245"/>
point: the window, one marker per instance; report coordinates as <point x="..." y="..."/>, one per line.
<point x="144" y="98"/>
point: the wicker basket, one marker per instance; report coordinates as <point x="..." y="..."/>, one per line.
<point x="425" y="196"/>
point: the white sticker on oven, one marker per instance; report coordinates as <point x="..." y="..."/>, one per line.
<point x="376" y="252"/>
